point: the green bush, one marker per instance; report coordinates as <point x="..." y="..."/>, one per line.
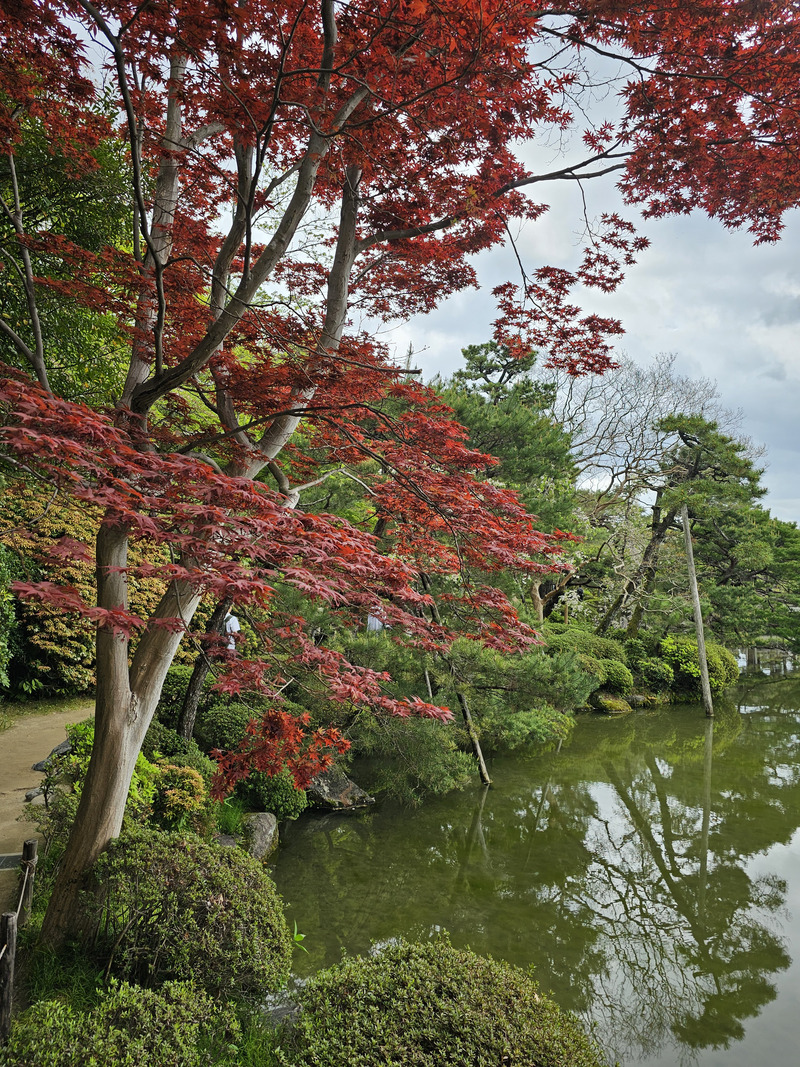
<point x="173" y="692"/>
<point x="585" y="643"/>
<point x="593" y="668"/>
<point x="431" y="1005"/>
<point x="617" y="676"/>
<point x="177" y="1026"/>
<point x="174" y="906"/>
<point x="160" y="740"/>
<point x="655" y="673"/>
<point x="223" y="725"/>
<point x="635" y="651"/>
<point x="181" y="800"/>
<point x="682" y="656"/>
<point x="276" y="793"/>
<point x="8" y="622"/>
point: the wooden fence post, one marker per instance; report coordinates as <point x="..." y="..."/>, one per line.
<point x="28" y="871"/>
<point x="8" y="938"/>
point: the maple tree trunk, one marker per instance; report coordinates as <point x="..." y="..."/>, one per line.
<point x="126" y="700"/>
<point x="149" y="311"/>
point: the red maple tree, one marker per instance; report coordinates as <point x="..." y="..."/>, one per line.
<point x="293" y="166"/>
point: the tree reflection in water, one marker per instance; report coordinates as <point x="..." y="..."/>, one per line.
<point x="617" y="867"/>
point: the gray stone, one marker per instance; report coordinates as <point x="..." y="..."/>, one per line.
<point x="60" y="750"/>
<point x="261" y="829"/>
<point x="610" y="703"/>
<point x="226" y="840"/>
<point x="282" y="1009"/>
<point x="332" y="790"/>
<point x="32" y="794"/>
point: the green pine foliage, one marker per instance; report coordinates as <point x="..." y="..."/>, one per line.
<point x="410" y="759"/>
<point x="507" y="413"/>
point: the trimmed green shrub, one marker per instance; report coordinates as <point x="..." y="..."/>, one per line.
<point x="610" y="704"/>
<point x="177" y="1026"/>
<point x="635" y="651"/>
<point x="222" y="725"/>
<point x="585" y="643"/>
<point x="431" y="1005"/>
<point x="682" y="656"/>
<point x="276" y="793"/>
<point x="655" y="673"/>
<point x="594" y="668"/>
<point x="181" y="800"/>
<point x="617" y="676"/>
<point x="160" y="740"/>
<point x="173" y="906"/>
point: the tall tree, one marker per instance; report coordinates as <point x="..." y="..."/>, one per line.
<point x="290" y="165"/>
<point x="701" y="467"/>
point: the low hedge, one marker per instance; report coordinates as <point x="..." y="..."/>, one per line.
<point x="176" y="1026"/>
<point x="431" y="1005"/>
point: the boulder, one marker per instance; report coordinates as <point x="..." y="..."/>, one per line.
<point x="261" y="832"/>
<point x="610" y="703"/>
<point x="332" y="790"/>
<point x="60" y="750"/>
<point x="638" y="700"/>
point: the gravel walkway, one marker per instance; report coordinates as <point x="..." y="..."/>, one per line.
<point x="29" y="740"/>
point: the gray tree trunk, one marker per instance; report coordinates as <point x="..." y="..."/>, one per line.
<point x="698" y="615"/>
<point x="202" y="665"/>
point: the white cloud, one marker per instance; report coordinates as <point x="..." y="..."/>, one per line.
<point x="729" y="310"/>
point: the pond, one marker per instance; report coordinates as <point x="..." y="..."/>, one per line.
<point x="649" y="871"/>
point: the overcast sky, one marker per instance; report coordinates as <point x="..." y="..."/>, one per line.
<point x="729" y="311"/>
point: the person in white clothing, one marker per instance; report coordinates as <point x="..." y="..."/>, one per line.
<point x="232" y="628"/>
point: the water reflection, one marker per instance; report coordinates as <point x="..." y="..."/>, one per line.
<point x="619" y="867"/>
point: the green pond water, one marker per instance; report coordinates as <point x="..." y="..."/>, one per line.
<point x="649" y="871"/>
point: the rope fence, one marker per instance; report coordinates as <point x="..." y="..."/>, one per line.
<point x="10" y="922"/>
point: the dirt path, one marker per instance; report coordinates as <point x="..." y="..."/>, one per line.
<point x="26" y="742"/>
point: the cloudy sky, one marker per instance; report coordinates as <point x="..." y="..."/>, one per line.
<point x="729" y="311"/>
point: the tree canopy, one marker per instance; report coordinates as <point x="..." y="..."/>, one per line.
<point x="290" y="171"/>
